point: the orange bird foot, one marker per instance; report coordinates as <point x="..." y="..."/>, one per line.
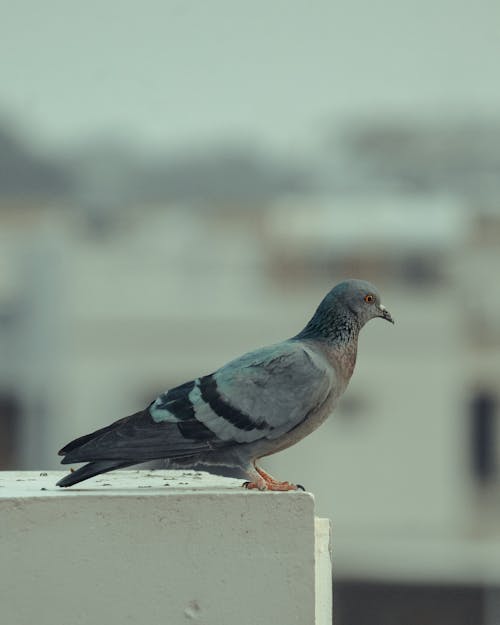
<point x="264" y="481"/>
<point x="279" y="486"/>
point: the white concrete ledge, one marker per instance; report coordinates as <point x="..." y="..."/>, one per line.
<point x="160" y="547"/>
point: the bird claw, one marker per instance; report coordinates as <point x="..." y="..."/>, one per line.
<point x="252" y="485"/>
<point x="284" y="486"/>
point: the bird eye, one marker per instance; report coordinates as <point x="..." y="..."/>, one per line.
<point x="369" y="299"/>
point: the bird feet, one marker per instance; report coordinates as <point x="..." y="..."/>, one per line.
<point x="283" y="486"/>
<point x="264" y="481"/>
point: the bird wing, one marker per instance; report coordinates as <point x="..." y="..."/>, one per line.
<point x="262" y="394"/>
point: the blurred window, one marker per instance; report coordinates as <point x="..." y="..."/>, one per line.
<point x="10" y="415"/>
<point x="484" y="450"/>
<point x="420" y="270"/>
<point x="379" y="603"/>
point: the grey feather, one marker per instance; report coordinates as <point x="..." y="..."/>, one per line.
<point x="270" y="390"/>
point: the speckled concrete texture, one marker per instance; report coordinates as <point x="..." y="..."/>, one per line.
<point x="157" y="547"/>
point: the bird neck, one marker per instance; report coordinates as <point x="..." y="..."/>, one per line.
<point x="334" y="327"/>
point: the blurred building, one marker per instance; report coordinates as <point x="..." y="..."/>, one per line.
<point x="106" y="300"/>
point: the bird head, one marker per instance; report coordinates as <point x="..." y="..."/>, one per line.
<point x="361" y="298"/>
<point x="344" y="311"/>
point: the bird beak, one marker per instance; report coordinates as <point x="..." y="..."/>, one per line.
<point x="385" y="314"/>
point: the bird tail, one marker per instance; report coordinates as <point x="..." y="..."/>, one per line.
<point x="91" y="469"/>
<point x="82" y="440"/>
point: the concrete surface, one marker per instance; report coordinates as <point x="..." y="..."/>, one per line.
<point x="162" y="547"/>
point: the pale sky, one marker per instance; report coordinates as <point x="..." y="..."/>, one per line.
<point x="171" y="73"/>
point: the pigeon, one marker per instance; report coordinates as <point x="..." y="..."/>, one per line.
<point x="253" y="406"/>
